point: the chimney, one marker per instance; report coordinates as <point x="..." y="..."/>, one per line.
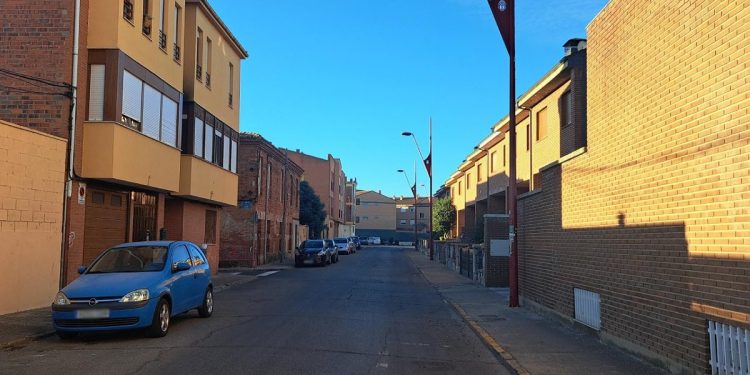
<point x="574" y="45"/>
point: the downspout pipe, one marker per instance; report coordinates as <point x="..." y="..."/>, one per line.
<point x="70" y="172"/>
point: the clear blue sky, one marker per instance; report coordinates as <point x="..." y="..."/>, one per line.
<point x="346" y="77"/>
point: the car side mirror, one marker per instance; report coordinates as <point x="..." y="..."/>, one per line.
<point x="81" y="270"/>
<point x="182" y="266"/>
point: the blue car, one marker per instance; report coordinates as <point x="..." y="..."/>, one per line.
<point x="135" y="285"/>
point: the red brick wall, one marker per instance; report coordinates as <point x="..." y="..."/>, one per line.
<point x="654" y="215"/>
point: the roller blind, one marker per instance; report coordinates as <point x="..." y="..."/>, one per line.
<point x="169" y="121"/>
<point x="209" y="143"/>
<point x="234" y="156"/>
<point x="151" y="111"/>
<point x="96" y="93"/>
<point x="131" y="96"/>
<point x="226" y="152"/>
<point x="198" y="146"/>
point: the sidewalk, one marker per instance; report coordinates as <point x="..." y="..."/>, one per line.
<point x="19" y="328"/>
<point x="526" y="342"/>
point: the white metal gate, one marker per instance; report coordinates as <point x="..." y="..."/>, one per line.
<point x="588" y="308"/>
<point x="730" y="349"/>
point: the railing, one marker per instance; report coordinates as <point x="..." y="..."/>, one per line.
<point x="231" y="99"/>
<point x="208" y="79"/>
<point x="198" y="72"/>
<point x="464" y="258"/>
<point x="127" y="10"/>
<point x="176" y="52"/>
<point x="162" y="40"/>
<point x="147" y="24"/>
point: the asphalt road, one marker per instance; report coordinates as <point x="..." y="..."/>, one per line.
<point x="370" y="313"/>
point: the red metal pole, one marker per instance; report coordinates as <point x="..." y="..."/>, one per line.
<point x="513" y="188"/>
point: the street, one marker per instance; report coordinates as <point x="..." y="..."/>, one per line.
<point x="373" y="312"/>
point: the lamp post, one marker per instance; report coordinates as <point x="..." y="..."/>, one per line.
<point x="414" y="191"/>
<point x="428" y="166"/>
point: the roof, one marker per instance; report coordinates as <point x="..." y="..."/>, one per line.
<point x="215" y="17"/>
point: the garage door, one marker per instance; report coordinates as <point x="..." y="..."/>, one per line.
<point x="106" y="222"/>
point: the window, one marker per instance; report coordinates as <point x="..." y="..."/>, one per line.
<point x="528" y="137"/>
<point x="208" y="62"/>
<point x="468" y="181"/>
<point x="479" y="172"/>
<point x="197" y="255"/>
<point x="231" y="84"/>
<point x="421" y="215"/>
<point x="115" y="200"/>
<point x="218" y="147"/>
<point x="566" y="109"/>
<point x="226" y="160"/>
<point x="199" y="55"/>
<point x="151" y="112"/>
<point x="493" y="161"/>
<point x="356" y="220"/>
<point x="96" y="93"/>
<point x="132" y="90"/>
<point x="209" y="141"/>
<point x="169" y="121"/>
<point x="505" y="154"/>
<point x="411" y="222"/>
<point x="147" y="110"/>
<point x="176" y="40"/>
<point x="97" y="197"/>
<point x="402" y="221"/>
<point x="162" y="18"/>
<point x="459" y="188"/>
<point x="180" y="255"/>
<point x="453" y="191"/>
<point x="541" y="124"/>
<point x="403" y="209"/>
<point x="358" y="202"/>
<point x="127" y="10"/>
<point x="210" y="233"/>
<point x="198" y="139"/>
<point x="147" y="17"/>
<point x="233" y="166"/>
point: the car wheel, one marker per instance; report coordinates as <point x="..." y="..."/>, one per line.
<point x="160" y="322"/>
<point x="208" y="304"/>
<point x="66" y="335"/>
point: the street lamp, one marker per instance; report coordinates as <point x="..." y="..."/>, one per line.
<point x="414" y="191"/>
<point x="428" y="165"/>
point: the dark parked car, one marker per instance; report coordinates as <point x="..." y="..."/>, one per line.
<point x="333" y="249"/>
<point x="135" y="285"/>
<point x="312" y="252"/>
<point x="343" y="245"/>
<point x="356" y="242"/>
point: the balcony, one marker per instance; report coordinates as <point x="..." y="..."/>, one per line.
<point x="115" y="153"/>
<point x="162" y="40"/>
<point x="199" y="72"/>
<point x="203" y="181"/>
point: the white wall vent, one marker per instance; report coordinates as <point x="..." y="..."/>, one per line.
<point x="588" y="308"/>
<point x="730" y="349"/>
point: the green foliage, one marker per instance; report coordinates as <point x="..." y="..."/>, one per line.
<point x="312" y="211"/>
<point x="443" y="216"/>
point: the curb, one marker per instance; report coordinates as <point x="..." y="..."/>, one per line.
<point x="20" y="343"/>
<point x="505" y="357"/>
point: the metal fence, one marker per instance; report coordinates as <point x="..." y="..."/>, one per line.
<point x="466" y="259"/>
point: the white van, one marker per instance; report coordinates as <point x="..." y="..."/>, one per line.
<point x="374" y="240"/>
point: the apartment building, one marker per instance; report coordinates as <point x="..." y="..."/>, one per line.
<point x="648" y="224"/>
<point x="265" y="226"/>
<point x="328" y="180"/>
<point x="350" y="210"/>
<point x="376" y="215"/>
<point x="550" y="123"/>
<point x="409" y="215"/>
<point x="136" y="172"/>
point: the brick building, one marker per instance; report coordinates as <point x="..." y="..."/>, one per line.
<point x="350" y="210"/>
<point x="328" y="180"/>
<point x="649" y="222"/>
<point x="135" y="162"/>
<point x="550" y="123"/>
<point x="265" y="225"/>
<point x="405" y="218"/>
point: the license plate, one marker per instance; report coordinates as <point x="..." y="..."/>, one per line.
<point x="92" y="314"/>
<point x="309" y="261"/>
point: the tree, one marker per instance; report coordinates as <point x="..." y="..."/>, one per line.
<point x="442" y="218"/>
<point x="312" y="212"/>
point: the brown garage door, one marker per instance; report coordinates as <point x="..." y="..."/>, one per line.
<point x="106" y="222"/>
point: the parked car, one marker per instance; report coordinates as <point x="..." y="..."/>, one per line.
<point x="364" y="241"/>
<point x="135" y="285"/>
<point x="356" y="242"/>
<point x="343" y="245"/>
<point x="374" y="240"/>
<point x="333" y="250"/>
<point x="312" y="252"/>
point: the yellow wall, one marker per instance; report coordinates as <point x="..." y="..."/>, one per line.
<point x="32" y="173"/>
<point x="116" y="153"/>
<point x="208" y="182"/>
<point x="108" y="29"/>
<point x="216" y="98"/>
<point x="380" y="211"/>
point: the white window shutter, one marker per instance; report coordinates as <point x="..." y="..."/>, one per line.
<point x="226" y="152"/>
<point x="234" y="156"/>
<point x="96" y="93"/>
<point x="151" y="112"/>
<point x="198" y="146"/>
<point x="169" y="121"/>
<point x="131" y="96"/>
<point x="209" y="143"/>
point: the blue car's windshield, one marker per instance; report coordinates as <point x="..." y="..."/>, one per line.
<point x="131" y="259"/>
<point x="314" y="244"/>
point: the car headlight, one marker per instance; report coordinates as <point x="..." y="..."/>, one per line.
<point x="322" y="252"/>
<point x="136" y="296"/>
<point x="61" y="299"/>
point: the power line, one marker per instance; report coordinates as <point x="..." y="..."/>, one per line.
<point x="36" y="79"/>
<point x="27" y="91"/>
